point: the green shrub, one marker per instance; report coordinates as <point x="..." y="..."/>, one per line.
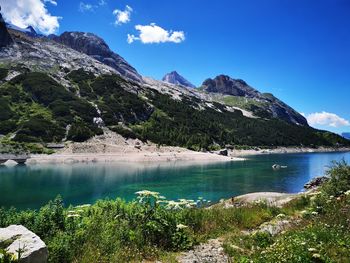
<point x="5" y="110"/>
<point x="79" y="132"/>
<point x="3" y="73"/>
<point x="38" y="129"/>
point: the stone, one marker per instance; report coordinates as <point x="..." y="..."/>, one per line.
<point x="315" y="182"/>
<point x="223" y="152"/>
<point x="18" y="238"/>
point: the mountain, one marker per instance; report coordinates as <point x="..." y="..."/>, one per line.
<point x="175" y="78"/>
<point x="97" y="48"/>
<point x="346" y="135"/>
<point x="236" y="92"/>
<point x="5" y="38"/>
<point x="28" y="30"/>
<point x="50" y="92"/>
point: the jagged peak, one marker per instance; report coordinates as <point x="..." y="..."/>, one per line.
<point x="175" y="78"/>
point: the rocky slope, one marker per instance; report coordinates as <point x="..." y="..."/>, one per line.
<point x="97" y="48"/>
<point x="263" y="105"/>
<point x="5" y="38"/>
<point x="176" y="79"/>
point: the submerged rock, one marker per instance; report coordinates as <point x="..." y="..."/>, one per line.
<point x="17" y="238"/>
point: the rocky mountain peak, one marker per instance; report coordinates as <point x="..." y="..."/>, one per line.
<point x="5" y="38"/>
<point x="97" y="48"/>
<point x="263" y="105"/>
<point x="175" y="78"/>
<point x="226" y="85"/>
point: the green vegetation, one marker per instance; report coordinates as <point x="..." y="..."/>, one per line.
<point x="320" y="232"/>
<point x="152" y="227"/>
<point x="37" y="109"/>
<point x="178" y="123"/>
<point x="3" y="73"/>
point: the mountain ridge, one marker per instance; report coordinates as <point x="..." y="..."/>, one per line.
<point x="225" y="85"/>
<point x="96" y="47"/>
<point x="53" y="93"/>
<point x="176" y="79"/>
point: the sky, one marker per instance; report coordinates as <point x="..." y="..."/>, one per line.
<point x="299" y="50"/>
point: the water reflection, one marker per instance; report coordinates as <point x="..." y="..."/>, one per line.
<point x="32" y="186"/>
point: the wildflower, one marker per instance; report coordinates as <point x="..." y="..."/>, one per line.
<point x="73" y="215"/>
<point x="314" y="213"/>
<point x="83" y="206"/>
<point x="312" y="249"/>
<point x="280" y="215"/>
<point x="331" y="197"/>
<point x="181" y="226"/>
<point x="316" y="255"/>
<point x="347" y="192"/>
<point x="147" y="193"/>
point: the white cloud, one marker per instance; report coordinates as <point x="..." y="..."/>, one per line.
<point x="88" y="7"/>
<point x="51" y="2"/>
<point x="326" y="119"/>
<point x="33" y="13"/>
<point x="83" y="7"/>
<point x="122" y="17"/>
<point x="155" y="34"/>
<point x="102" y="2"/>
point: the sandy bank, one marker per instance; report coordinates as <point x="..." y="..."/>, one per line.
<point x="129" y="155"/>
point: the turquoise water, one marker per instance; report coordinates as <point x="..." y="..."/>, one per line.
<point x="34" y="185"/>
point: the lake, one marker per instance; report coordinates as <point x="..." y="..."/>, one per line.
<point x="32" y="186"/>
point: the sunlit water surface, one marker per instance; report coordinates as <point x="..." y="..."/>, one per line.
<point x="34" y="185"/>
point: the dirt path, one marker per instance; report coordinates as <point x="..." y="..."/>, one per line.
<point x="210" y="252"/>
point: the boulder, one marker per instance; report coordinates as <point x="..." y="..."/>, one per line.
<point x="223" y="152"/>
<point x="315" y="182"/>
<point x="15" y="238"/>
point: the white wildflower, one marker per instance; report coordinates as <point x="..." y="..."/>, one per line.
<point x="181" y="226"/>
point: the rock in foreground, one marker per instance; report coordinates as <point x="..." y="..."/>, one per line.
<point x="17" y="237"/>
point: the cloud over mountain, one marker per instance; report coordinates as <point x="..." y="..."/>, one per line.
<point x="327" y="119"/>
<point x="24" y="13"/>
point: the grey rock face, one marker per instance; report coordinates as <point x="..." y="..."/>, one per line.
<point x="97" y="48"/>
<point x="273" y="107"/>
<point x="32" y="248"/>
<point x="228" y="86"/>
<point x="175" y="78"/>
<point x="5" y="38"/>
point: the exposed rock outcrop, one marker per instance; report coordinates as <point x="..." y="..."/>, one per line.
<point x="267" y="105"/>
<point x="175" y="78"/>
<point x="17" y="238"/>
<point x="97" y="48"/>
<point x="5" y="38"/>
<point x="316" y="182"/>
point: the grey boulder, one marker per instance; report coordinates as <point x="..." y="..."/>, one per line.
<point x="17" y="238"/>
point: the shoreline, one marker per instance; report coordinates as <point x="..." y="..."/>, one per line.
<point x="286" y="150"/>
<point x="132" y="157"/>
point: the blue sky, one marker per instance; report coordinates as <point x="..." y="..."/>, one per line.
<point x="299" y="50"/>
